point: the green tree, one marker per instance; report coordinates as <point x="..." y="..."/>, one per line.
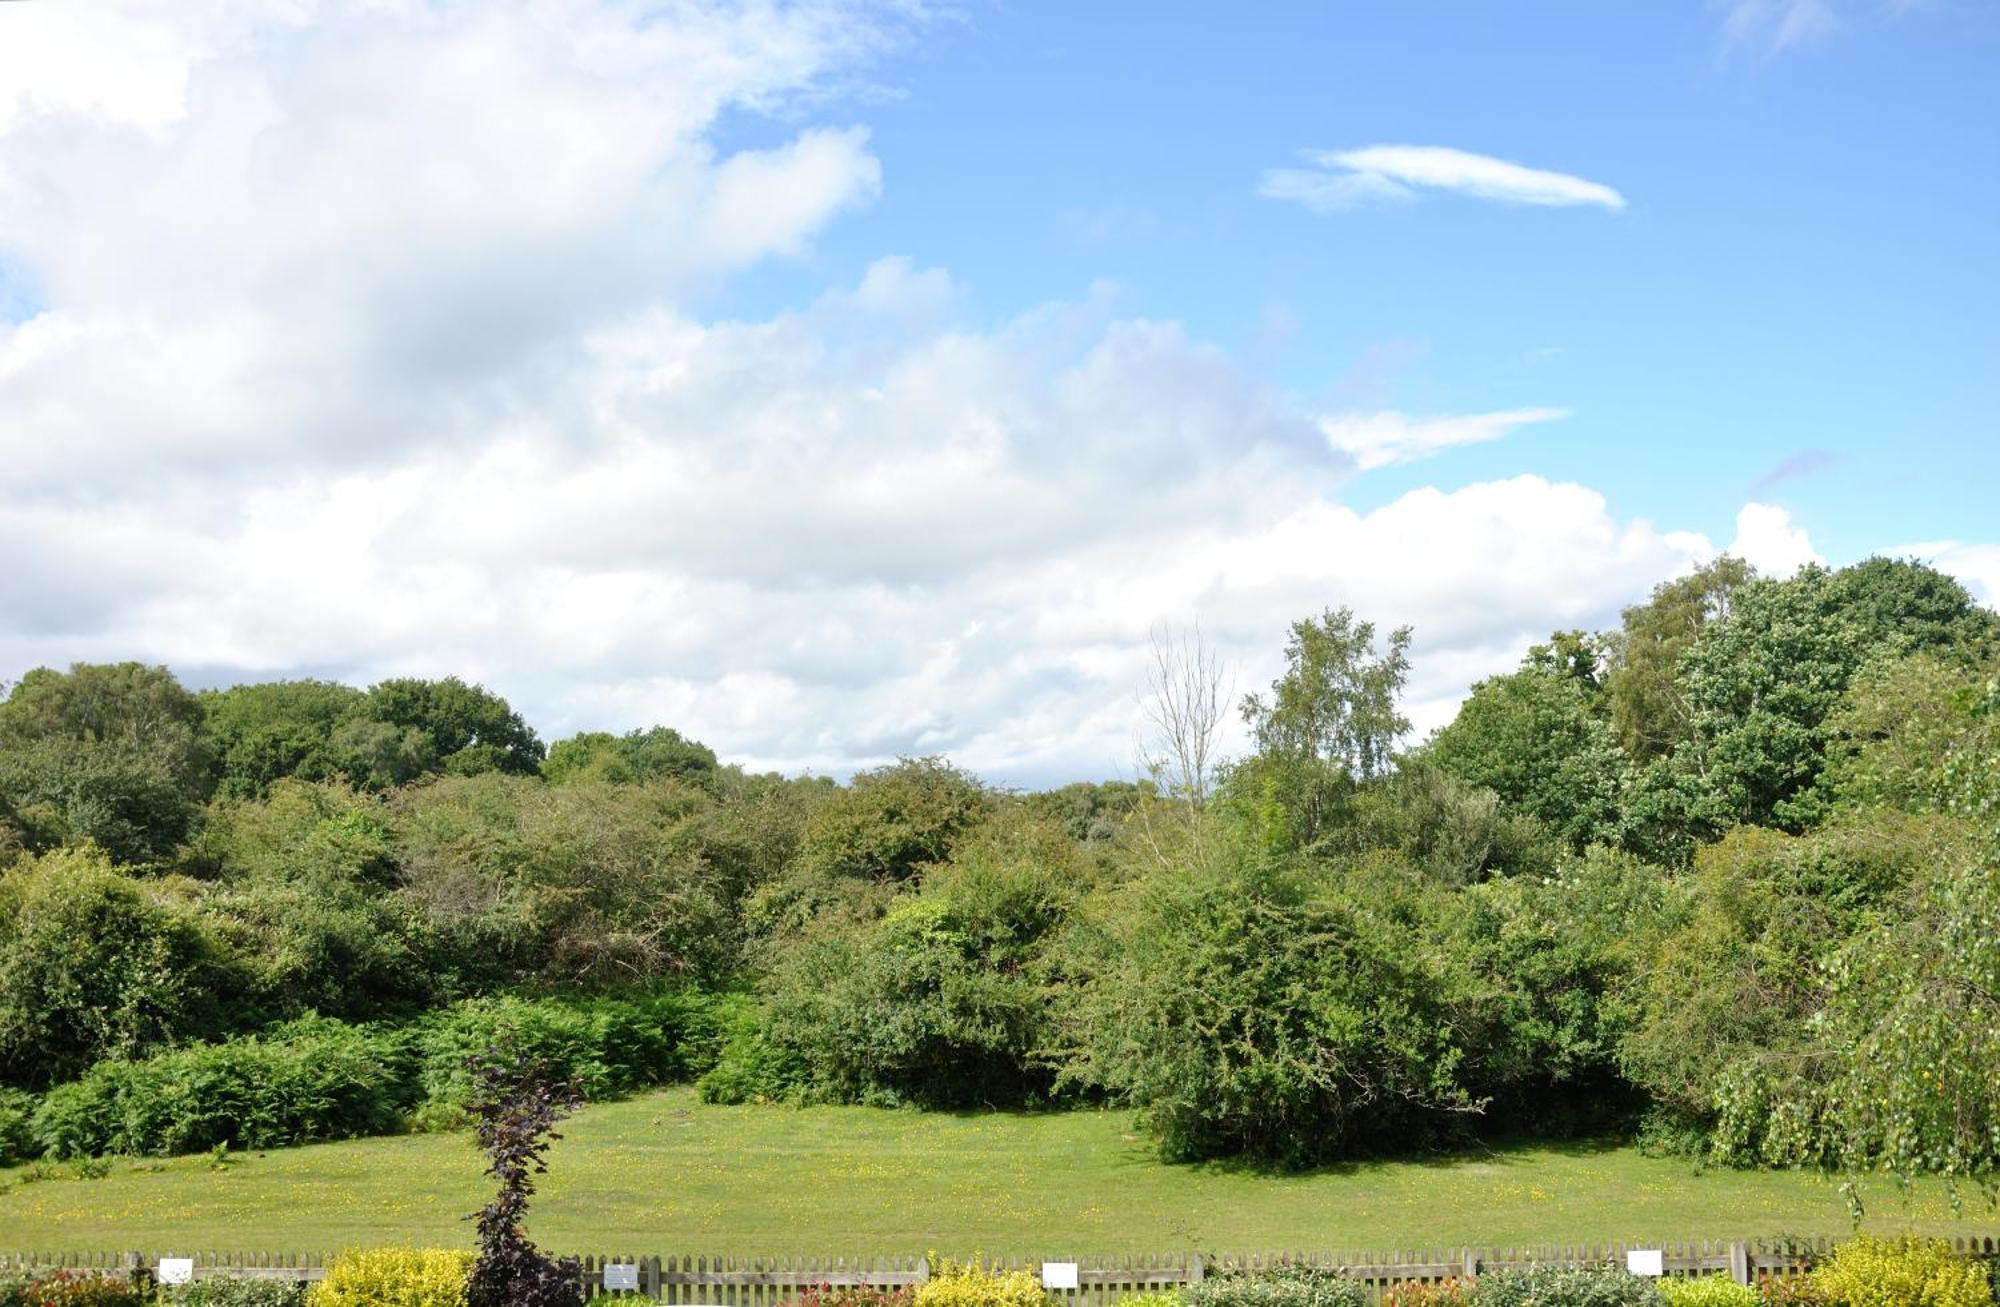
<point x="458" y="728"/>
<point x="1641" y="682"/>
<point x="1762" y="685"/>
<point x="633" y="756"/>
<point x="110" y="753"/>
<point x="276" y="729"/>
<point x="1530" y="736"/>
<point x="1329" y="723"/>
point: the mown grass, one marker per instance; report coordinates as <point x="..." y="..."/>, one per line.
<point x="664" y="1173"/>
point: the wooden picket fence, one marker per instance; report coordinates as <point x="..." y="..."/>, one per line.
<point x="1101" y="1281"/>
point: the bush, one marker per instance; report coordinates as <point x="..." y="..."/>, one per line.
<point x="94" y="963"/>
<point x="1708" y="1291"/>
<point x="240" y="1293"/>
<point x="858" y="1295"/>
<point x="1791" y="1291"/>
<point x="969" y="1284"/>
<point x="17" y="1137"/>
<point x="1283" y="1286"/>
<point x="610" y="1047"/>
<point x="1453" y="1292"/>
<point x="1280" y="1012"/>
<point x="309" y="1080"/>
<point x="69" y="1289"/>
<point x="1567" y="1286"/>
<point x="394" y="1277"/>
<point x="517" y="1102"/>
<point x="1906" y="1272"/>
<point x="940" y="1002"/>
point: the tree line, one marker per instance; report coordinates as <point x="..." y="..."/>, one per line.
<point x="1724" y="877"/>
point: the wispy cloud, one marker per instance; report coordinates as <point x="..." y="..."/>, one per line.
<point x="1773" y="26"/>
<point x="1375" y="440"/>
<point x="1802" y="463"/>
<point x="1778" y="24"/>
<point x="1346" y="179"/>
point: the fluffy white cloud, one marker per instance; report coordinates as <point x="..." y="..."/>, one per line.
<point x="1381" y="439"/>
<point x="1345" y="179"/>
<point x="330" y="232"/>
<point x="1768" y="539"/>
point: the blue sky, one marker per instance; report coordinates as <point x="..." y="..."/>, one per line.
<point x="843" y="379"/>
<point x="1808" y="262"/>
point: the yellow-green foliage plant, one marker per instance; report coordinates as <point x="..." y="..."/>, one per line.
<point x="1155" y="1298"/>
<point x="1906" y="1272"/>
<point x="969" y="1284"/>
<point x="1709" y="1291"/>
<point x="394" y="1277"/>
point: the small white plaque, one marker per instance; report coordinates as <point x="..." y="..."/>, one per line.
<point x="621" y="1275"/>
<point x="177" y="1270"/>
<point x="1059" y="1275"/>
<point x="1645" y="1261"/>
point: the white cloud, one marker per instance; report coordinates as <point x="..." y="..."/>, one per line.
<point x="1395" y="173"/>
<point x="335" y="231"/>
<point x="1769" y="541"/>
<point x="1380" y="439"/>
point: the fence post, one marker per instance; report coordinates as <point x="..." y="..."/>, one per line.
<point x="1469" y="1262"/>
<point x="1195" y="1269"/>
<point x="923" y="1270"/>
<point x="1739" y="1261"/>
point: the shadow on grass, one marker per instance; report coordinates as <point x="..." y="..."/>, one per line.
<point x="1526" y="1150"/>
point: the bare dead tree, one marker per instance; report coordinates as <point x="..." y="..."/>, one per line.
<point x="1188" y="691"/>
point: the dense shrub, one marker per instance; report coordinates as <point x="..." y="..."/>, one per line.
<point x="69" y="1289"/>
<point x="1452" y="1292"/>
<point x="318" y="1078"/>
<point x="94" y="963"/>
<point x="610" y="1047"/>
<point x="971" y="1284"/>
<point x="859" y="1295"/>
<point x="1791" y="1291"/>
<point x="942" y="1001"/>
<point x="1867" y="1271"/>
<point x="1567" y="1286"/>
<point x="220" y="1292"/>
<point x="312" y="1079"/>
<point x="586" y="884"/>
<point x="1285" y="1013"/>
<point x="394" y="1277"/>
<point x="1708" y="1291"/>
<point x="17" y="1136"/>
<point x="1283" y="1286"/>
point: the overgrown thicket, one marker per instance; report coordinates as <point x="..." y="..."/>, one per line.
<point x="1725" y="875"/>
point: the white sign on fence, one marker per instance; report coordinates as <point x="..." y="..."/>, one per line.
<point x="177" y="1270"/>
<point x="621" y="1275"/>
<point x="1059" y="1275"/>
<point x="1645" y="1261"/>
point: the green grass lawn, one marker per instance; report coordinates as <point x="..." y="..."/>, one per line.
<point x="664" y="1174"/>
